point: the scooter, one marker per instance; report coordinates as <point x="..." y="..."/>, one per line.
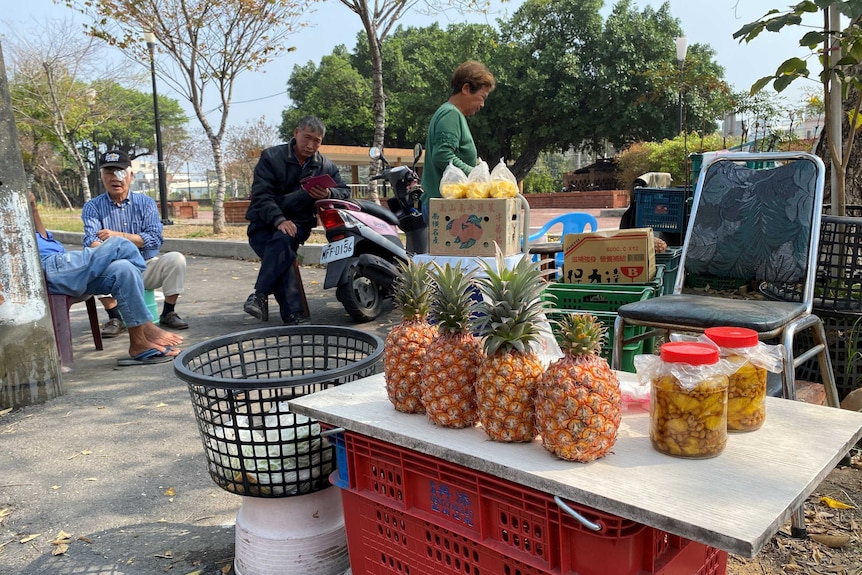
<point x="364" y="247"/>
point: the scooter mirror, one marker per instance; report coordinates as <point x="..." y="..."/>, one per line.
<point x="375" y="153"/>
<point x="417" y="153"/>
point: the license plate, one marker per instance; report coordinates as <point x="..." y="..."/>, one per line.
<point x="337" y="250"/>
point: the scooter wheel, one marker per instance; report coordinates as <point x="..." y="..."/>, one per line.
<point x="360" y="296"/>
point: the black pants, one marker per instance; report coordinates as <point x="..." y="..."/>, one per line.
<point x="277" y="252"/>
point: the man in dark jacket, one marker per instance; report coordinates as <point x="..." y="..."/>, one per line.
<point x="281" y="216"/>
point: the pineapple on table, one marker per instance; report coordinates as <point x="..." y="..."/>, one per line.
<point x="406" y="344"/>
<point x="578" y="401"/>
<point x="509" y="319"/>
<point x="452" y="359"/>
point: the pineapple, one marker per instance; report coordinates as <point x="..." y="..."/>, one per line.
<point x="508" y="318"/>
<point x="578" y="401"/>
<point x="405" y="345"/>
<point x="452" y="359"/>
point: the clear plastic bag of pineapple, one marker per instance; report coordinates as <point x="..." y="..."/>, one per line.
<point x="453" y="183"/>
<point x="503" y="182"/>
<point x="746" y="392"/>
<point x="688" y="398"/>
<point x="479" y="182"/>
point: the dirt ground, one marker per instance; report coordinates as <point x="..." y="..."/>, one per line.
<point x="834" y="543"/>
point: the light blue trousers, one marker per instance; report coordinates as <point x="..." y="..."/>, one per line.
<point x="113" y="267"/>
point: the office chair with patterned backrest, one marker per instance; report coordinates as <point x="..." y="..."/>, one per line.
<point x="572" y="223"/>
<point x="748" y="225"/>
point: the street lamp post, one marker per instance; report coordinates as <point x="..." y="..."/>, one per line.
<point x="681" y="49"/>
<point x="150" y="39"/>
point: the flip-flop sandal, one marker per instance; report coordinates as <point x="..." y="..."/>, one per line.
<point x="149" y="357"/>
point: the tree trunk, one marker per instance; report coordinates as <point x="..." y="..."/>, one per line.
<point x="219" y="224"/>
<point x="378" y="103"/>
<point x="853" y="172"/>
<point x="29" y="363"/>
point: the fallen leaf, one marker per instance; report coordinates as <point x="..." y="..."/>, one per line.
<point x="165" y="555"/>
<point x="5" y="511"/>
<point x="55" y="487"/>
<point x="834" y="503"/>
<point x="60" y="549"/>
<point x="791" y="567"/>
<point x="86" y="452"/>
<point x="92" y="479"/>
<point x="169" y="492"/>
<point x="198" y="572"/>
<point x="234" y="277"/>
<point x="816" y="556"/>
<point x="30" y="538"/>
<point x="161" y="405"/>
<point x="84" y="539"/>
<point x="5" y="411"/>
<point x="61" y="537"/>
<point x="226" y="569"/>
<point x="831" y="541"/>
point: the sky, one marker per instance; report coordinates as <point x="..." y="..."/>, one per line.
<point x="263" y="93"/>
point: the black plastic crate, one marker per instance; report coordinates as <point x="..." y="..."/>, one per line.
<point x="240" y="386"/>
<point x="662" y="209"/>
<point x="844" y="338"/>
<point x="838" y="286"/>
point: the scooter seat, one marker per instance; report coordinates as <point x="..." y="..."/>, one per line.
<point x="378" y="211"/>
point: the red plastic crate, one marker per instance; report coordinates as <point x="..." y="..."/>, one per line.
<point x="475" y="523"/>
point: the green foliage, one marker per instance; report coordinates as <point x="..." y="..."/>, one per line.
<point x="850" y="40"/>
<point x="666" y="156"/>
<point x="540" y="181"/>
<point x="331" y="92"/>
<point x="565" y="79"/>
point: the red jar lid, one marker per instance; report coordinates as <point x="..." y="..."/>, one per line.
<point x="692" y="353"/>
<point x="732" y="337"/>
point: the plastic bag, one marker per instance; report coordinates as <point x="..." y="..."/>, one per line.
<point x="453" y="184"/>
<point x="762" y="355"/>
<point x="503" y="182"/>
<point x="650" y="367"/>
<point x="479" y="181"/>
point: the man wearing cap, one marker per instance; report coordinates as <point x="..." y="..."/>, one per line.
<point x="135" y="217"/>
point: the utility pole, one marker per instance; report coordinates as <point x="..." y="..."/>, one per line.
<point x="29" y="362"/>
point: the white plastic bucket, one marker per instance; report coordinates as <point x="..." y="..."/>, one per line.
<point x="302" y="535"/>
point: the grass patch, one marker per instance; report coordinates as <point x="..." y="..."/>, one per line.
<point x="70" y="221"/>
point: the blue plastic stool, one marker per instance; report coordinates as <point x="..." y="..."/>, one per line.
<point x="150" y="300"/>
<point x="573" y="223"/>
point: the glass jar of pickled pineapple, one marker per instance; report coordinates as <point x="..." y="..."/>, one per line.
<point x="746" y="390"/>
<point x="688" y="401"/>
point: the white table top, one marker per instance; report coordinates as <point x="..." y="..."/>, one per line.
<point x="735" y="502"/>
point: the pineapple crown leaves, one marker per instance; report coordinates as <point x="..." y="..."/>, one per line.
<point x="509" y="314"/>
<point x="412" y="290"/>
<point x="580" y="334"/>
<point x="451" y="300"/>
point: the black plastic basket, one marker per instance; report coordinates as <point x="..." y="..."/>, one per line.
<point x="240" y="385"/>
<point x="844" y="338"/>
<point x="838" y="287"/>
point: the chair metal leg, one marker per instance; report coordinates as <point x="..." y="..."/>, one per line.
<point x="821" y="349"/>
<point x="826" y="372"/>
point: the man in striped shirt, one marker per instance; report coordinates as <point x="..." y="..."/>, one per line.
<point x="135" y="217"/>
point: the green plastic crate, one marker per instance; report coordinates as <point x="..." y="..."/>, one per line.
<point x="602" y="301"/>
<point x="670" y="259"/>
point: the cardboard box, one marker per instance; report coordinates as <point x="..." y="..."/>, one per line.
<point x="613" y="256"/>
<point x="470" y="227"/>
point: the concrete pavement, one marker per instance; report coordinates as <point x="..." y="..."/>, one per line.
<point x="116" y="462"/>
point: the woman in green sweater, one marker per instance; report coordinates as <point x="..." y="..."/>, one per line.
<point x="449" y="138"/>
